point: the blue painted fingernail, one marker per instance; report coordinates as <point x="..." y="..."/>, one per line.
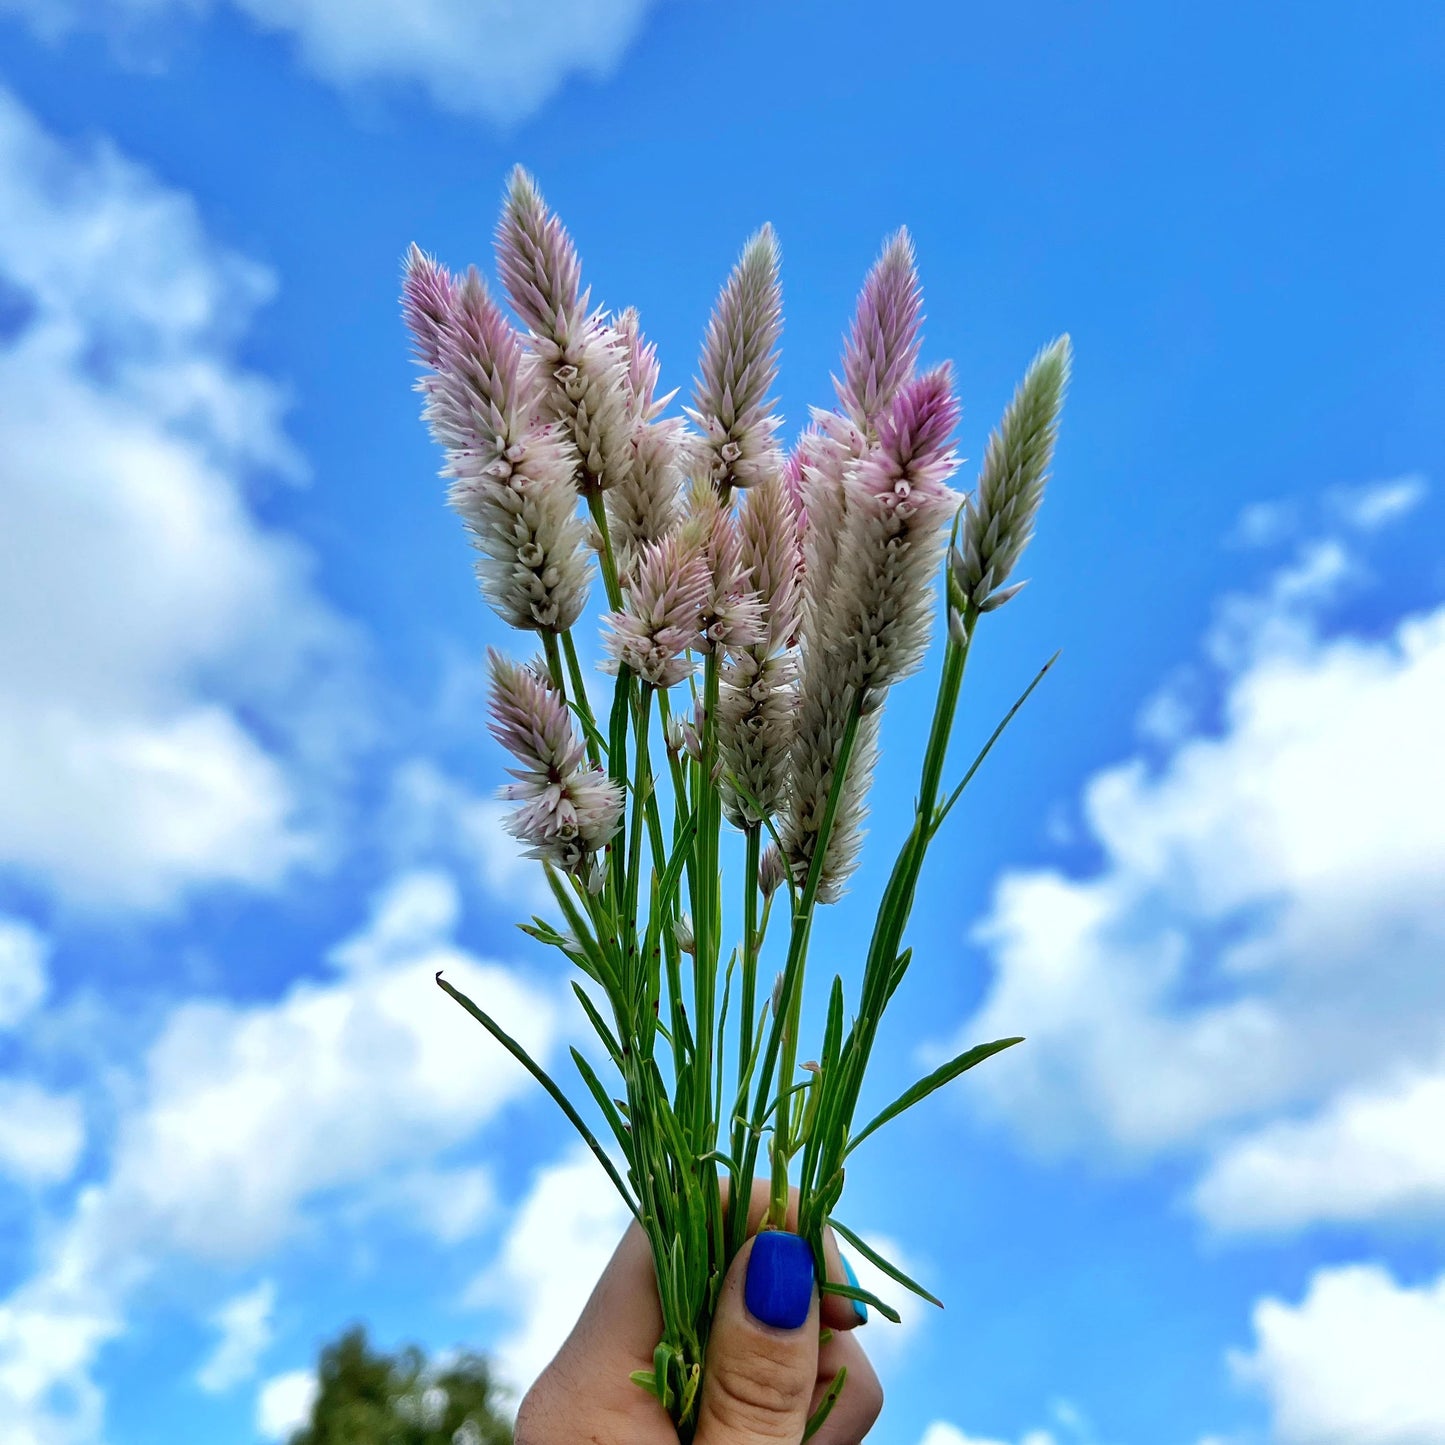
<point x="779" y="1288"/>
<point x="859" y="1308"/>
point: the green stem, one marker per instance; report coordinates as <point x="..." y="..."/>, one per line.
<point x="598" y="509"/>
<point x="893" y="914"/>
<point x="792" y="982"/>
<point x="641" y="785"/>
<point x="554" y="661"/>
<point x="579" y="695"/>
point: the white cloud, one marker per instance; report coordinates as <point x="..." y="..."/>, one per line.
<point x="284" y="1402"/>
<point x="558" y="1243"/>
<point x="1066" y="1416"/>
<point x="493" y="58"/>
<point x="888" y="1344"/>
<point x="24" y="952"/>
<point x="1374" y="1152"/>
<point x="142" y="607"/>
<point x="431" y="815"/>
<point x="41" y="1134"/>
<point x="247" y="1113"/>
<point x="449" y="1203"/>
<point x="1263" y="524"/>
<point x="1267" y="925"/>
<point x="1378" y="504"/>
<point x="245" y="1329"/>
<point x="1356" y="1362"/>
<point x="942" y="1433"/>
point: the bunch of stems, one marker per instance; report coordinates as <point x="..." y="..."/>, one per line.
<point x="759" y="607"/>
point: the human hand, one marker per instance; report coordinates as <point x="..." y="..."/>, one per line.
<point x="764" y="1376"/>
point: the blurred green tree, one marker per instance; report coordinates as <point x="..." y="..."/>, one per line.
<point x="365" y="1397"/>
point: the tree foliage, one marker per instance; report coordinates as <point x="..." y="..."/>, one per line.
<point x="366" y="1397"/>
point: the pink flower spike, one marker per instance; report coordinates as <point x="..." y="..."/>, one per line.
<point x="738" y="367"/>
<point x="882" y="347"/>
<point x="913" y="440"/>
<point x="538" y="263"/>
<point x="531" y="721"/>
<point x="426" y="303"/>
<point x="670" y="585"/>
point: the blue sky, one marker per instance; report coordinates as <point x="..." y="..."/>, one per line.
<point x="245" y="789"/>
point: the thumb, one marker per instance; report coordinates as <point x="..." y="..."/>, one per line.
<point x="762" y="1354"/>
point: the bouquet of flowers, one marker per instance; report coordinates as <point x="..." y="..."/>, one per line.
<point x="760" y="604"/>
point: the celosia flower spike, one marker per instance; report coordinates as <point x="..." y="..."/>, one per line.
<point x="582" y="364"/>
<point x="738" y="367"/>
<point x="426" y="303"/>
<point x="882" y="347"/>
<point x="757" y="700"/>
<point x="511" y="471"/>
<point x="1000" y="516"/>
<point x="874" y="630"/>
<point x="642" y="367"/>
<point x="669" y="587"/>
<point x="569" y="811"/>
<point x="732" y="613"/>
<point x="646" y="504"/>
<point x="539" y="265"/>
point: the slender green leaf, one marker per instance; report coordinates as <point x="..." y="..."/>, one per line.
<point x="997" y="733"/>
<point x="887" y="1266"/>
<point x="825" y="1405"/>
<point x="849" y="1291"/>
<point x="545" y="1079"/>
<point x="936" y="1080"/>
<point x="604" y="1102"/>
<point x="599" y="1024"/>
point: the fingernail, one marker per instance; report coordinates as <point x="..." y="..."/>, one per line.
<point x="779" y="1287"/>
<point x="859" y="1308"/>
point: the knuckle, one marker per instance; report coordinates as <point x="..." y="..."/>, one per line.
<point x="756" y="1396"/>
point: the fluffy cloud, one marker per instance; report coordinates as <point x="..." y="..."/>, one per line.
<point x="1377" y="504"/>
<point x="942" y="1433"/>
<point x="1371" y="1153"/>
<point x="431" y="815"/>
<point x="559" y="1240"/>
<point x="1266" y="926"/>
<point x="245" y="1330"/>
<point x="41" y="1133"/>
<point x="23" y="981"/>
<point x="1356" y="1362"/>
<point x="246" y="1114"/>
<point x="492" y="58"/>
<point x="143" y="609"/>
<point x="284" y="1402"/>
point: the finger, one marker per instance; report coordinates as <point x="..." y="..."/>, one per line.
<point x="762" y="1355"/>
<point x="859" y="1405"/>
<point x="616" y="1334"/>
<point x="836" y="1312"/>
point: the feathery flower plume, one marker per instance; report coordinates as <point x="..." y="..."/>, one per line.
<point x="898" y="514"/>
<point x="883" y="343"/>
<point x="731" y="616"/>
<point x="739" y="364"/>
<point x="582" y="363"/>
<point x="825" y="454"/>
<point x="568" y="811"/>
<point x="646" y="503"/>
<point x="1000" y="516"/>
<point x="879" y="356"/>
<point x="511" y="472"/>
<point x="426" y="303"/>
<point x="771" y="870"/>
<point x="756" y="697"/>
<point x="670" y="586"/>
<point x="875" y="628"/>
